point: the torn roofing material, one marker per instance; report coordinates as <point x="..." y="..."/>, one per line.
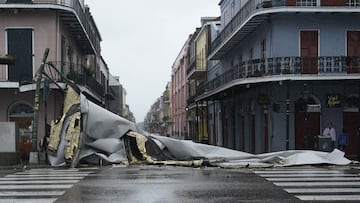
<point x="90" y="133"/>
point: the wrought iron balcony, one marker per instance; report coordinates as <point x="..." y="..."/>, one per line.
<point x="196" y="70"/>
<point x="284" y="66"/>
<point x="79" y="74"/>
<point x="72" y="14"/>
<point x="255" y="12"/>
<point x="75" y="72"/>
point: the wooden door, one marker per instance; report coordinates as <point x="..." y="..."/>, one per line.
<point x="25" y="135"/>
<point x="309" y="51"/>
<point x="350" y="123"/>
<point x="307" y="127"/>
<point x="353" y="50"/>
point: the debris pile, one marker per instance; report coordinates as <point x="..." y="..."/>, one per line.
<point x="89" y="133"/>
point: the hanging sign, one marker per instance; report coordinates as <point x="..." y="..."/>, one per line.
<point x="333" y="100"/>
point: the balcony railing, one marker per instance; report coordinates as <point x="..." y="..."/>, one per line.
<point x="75" y="72"/>
<point x="73" y="4"/>
<point x="253" y="6"/>
<point x="79" y="74"/>
<point x="324" y="65"/>
<point x="3" y="73"/>
<point x="195" y="66"/>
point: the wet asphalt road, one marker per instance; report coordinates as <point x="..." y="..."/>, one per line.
<point x="174" y="184"/>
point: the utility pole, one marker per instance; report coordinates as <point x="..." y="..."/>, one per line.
<point x="37" y="102"/>
<point x="41" y="74"/>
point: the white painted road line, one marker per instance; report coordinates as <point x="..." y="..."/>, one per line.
<point x="39" y="185"/>
<point x="42" y="178"/>
<point x="30" y="193"/>
<point x="34" y="187"/>
<point x="46" y="175"/>
<point x="307" y="184"/>
<point x="329" y="197"/>
<point x="314" y="179"/>
<point x="18" y="200"/>
<point x="45" y="170"/>
<point x="39" y="182"/>
<point x="308" y="175"/>
<point x="297" y="171"/>
<point x="50" y="173"/>
<point x="322" y="190"/>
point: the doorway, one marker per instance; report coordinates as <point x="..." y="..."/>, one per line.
<point x="353" y="51"/>
<point x="309" y="51"/>
<point x="22" y="115"/>
<point x="350" y="123"/>
<point x="307" y="122"/>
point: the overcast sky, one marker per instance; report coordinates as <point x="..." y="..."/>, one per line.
<point x="142" y="38"/>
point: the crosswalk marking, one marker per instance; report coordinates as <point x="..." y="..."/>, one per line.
<point x="317" y="184"/>
<point x="309" y="184"/>
<point x="38" y="182"/>
<point x="19" y="200"/>
<point x="49" y="175"/>
<point x="35" y="187"/>
<point x="314" y="179"/>
<point x="42" y="178"/>
<point x="323" y="190"/>
<point x="308" y="175"/>
<point x="329" y="197"/>
<point x="299" y="171"/>
<point x="31" y="193"/>
<point x="39" y="185"/>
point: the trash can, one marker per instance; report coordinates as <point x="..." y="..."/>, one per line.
<point x="323" y="143"/>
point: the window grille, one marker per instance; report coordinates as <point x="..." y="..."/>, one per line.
<point x="353" y="3"/>
<point x="306" y="2"/>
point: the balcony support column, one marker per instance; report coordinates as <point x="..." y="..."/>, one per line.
<point x="287" y="114"/>
<point x="233" y="119"/>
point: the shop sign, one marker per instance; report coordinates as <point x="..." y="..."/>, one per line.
<point x="333" y="100"/>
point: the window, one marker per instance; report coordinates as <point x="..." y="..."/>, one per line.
<point x="20" y="45"/>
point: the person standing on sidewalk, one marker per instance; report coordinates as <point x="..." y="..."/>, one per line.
<point x="343" y="140"/>
<point x="330" y="131"/>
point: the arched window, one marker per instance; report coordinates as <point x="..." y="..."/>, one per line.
<point x="22" y="114"/>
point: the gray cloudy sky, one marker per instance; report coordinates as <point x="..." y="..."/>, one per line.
<point x="142" y="38"/>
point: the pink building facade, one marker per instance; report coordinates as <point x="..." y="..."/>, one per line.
<point x="179" y="93"/>
<point x="27" y="28"/>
